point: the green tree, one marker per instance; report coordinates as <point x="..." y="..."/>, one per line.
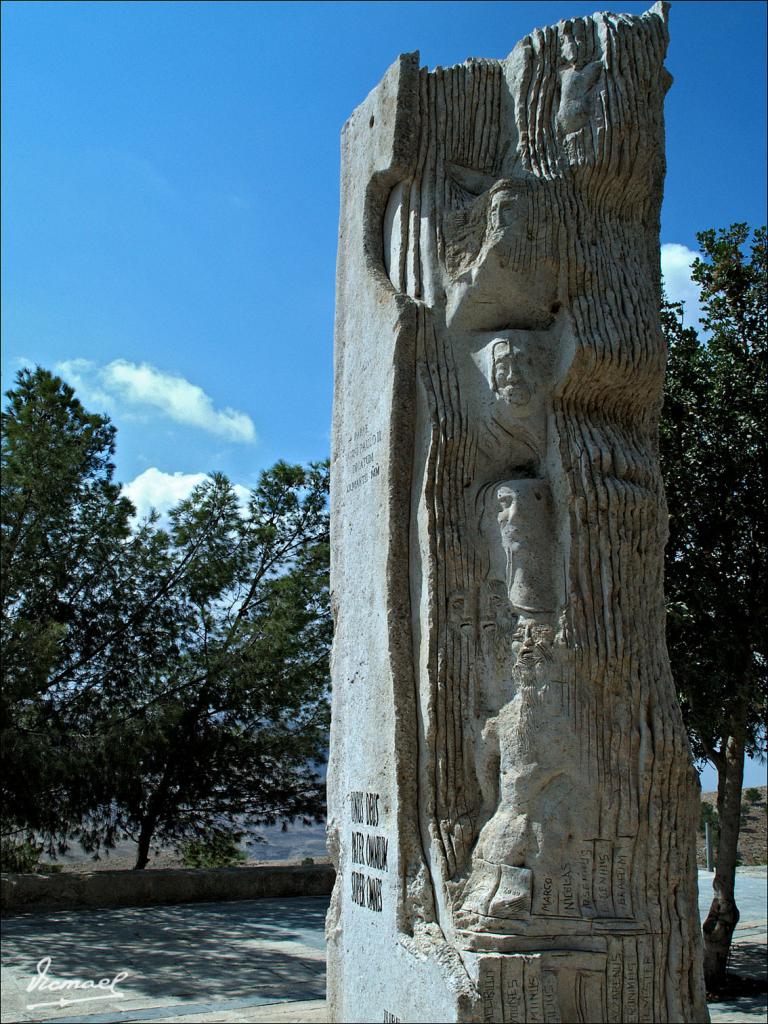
<point x="19" y="856"/>
<point x="63" y="525"/>
<point x="229" y="727"/>
<point x="217" y="850"/>
<point x="712" y="455"/>
<point x="160" y="684"/>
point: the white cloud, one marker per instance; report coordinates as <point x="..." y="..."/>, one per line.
<point x="161" y="491"/>
<point x="242" y="494"/>
<point x="141" y="384"/>
<point x="676" y="263"/>
<point x="154" y="489"/>
<point x="82" y="374"/>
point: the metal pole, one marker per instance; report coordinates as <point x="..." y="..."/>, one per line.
<point x="708" y="842"/>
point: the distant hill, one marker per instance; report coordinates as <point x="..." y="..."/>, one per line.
<point x="753" y="837"/>
<point x="296" y="843"/>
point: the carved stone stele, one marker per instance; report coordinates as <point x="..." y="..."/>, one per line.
<point x="512" y="808"/>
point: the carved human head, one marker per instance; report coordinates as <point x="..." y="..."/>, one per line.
<point x="508" y="381"/>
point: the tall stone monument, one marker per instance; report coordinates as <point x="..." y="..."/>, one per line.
<point x="511" y="803"/>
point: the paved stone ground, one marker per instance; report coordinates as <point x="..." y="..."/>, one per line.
<point x="188" y="959"/>
<point x="748" y="954"/>
<point x="245" y="962"/>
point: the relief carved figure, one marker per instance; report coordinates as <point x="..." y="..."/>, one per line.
<point x="539" y="764"/>
<point x="508" y="376"/>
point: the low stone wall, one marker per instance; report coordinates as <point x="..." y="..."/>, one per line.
<point x="65" y="891"/>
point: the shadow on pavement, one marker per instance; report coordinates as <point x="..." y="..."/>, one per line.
<point x="748" y="959"/>
<point x="263" y="948"/>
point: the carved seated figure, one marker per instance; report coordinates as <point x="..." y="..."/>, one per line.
<point x="526" y="800"/>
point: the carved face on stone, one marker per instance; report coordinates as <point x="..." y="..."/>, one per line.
<point x="496" y="619"/>
<point x="501" y="259"/>
<point x="510" y="209"/>
<point x="532" y="644"/>
<point x="508" y="381"/>
<point x="525" y="526"/>
<point x="493" y="604"/>
<point x="460" y="610"/>
<point x="508" y="502"/>
<point x="484" y="607"/>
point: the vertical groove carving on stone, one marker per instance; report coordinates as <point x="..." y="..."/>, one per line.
<point x="554" y="791"/>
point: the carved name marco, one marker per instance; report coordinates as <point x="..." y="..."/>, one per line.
<point x="501" y="684"/>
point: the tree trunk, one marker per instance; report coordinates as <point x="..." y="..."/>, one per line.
<point x="723" y="915"/>
<point x="145" y="838"/>
<point x="157" y="805"/>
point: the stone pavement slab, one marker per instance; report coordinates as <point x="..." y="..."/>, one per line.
<point x="193" y="958"/>
<point x="748" y="953"/>
<point x="750" y="895"/>
<point x="748" y="1010"/>
<point x="314" y="1012"/>
<point x="748" y="958"/>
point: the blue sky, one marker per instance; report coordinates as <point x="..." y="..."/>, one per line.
<point x="170" y="198"/>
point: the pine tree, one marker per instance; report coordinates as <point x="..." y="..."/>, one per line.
<point x="63" y="524"/>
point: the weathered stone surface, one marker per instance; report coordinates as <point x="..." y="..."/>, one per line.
<point x="511" y="803"/>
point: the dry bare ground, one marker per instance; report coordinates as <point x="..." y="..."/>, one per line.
<point x="753" y="838"/>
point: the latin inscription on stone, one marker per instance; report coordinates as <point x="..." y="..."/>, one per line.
<point x="534" y="1001"/>
<point x="645" y="970"/>
<point x="622" y="900"/>
<point x="603" y="878"/>
<point x="361" y="457"/>
<point x="545" y="895"/>
<point x="368" y="850"/>
<point x="567" y="901"/>
<point x="586" y="867"/>
<point x="497" y="547"/>
<point x="492" y="982"/>
<point x="551" y="1005"/>
<point x="630" y="995"/>
<point x="514" y="997"/>
<point x="614" y="982"/>
<point x="488" y="993"/>
<point x="366" y="891"/>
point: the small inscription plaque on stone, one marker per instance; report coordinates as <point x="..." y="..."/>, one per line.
<point x="369" y="850"/>
<point x="361" y="457"/>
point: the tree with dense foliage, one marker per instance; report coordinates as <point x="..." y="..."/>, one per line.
<point x="163" y="685"/>
<point x="217" y="851"/>
<point x="64" y="527"/>
<point x="713" y="460"/>
<point x="229" y="724"/>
